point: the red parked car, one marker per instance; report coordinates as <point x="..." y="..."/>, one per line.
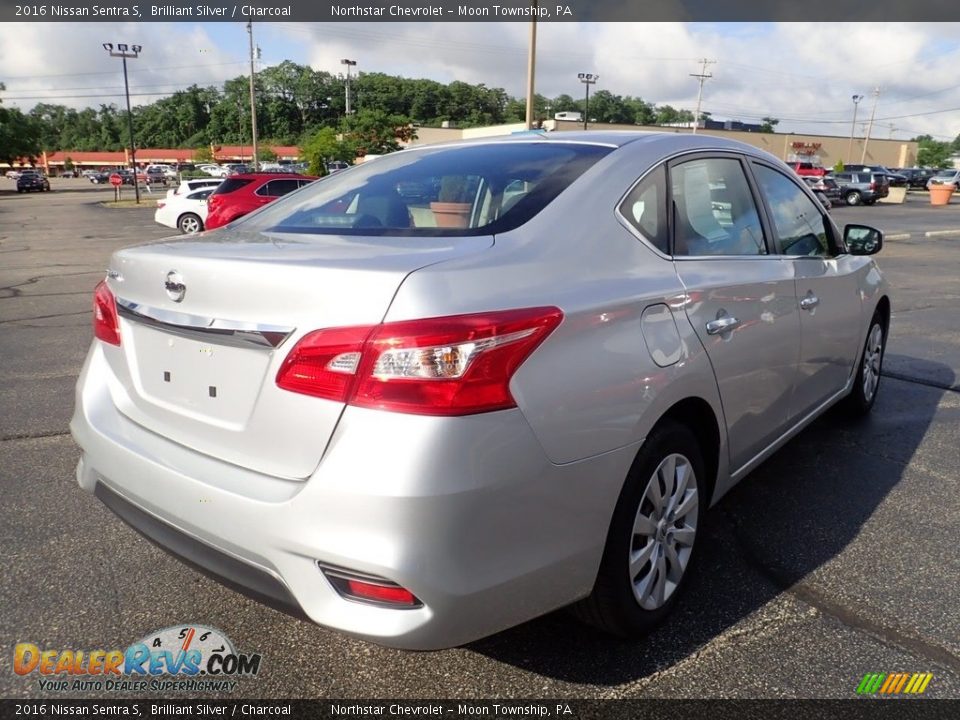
<point x="808" y="169"/>
<point x="238" y="195"/>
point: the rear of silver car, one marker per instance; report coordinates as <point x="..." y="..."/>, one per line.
<point x="206" y="424"/>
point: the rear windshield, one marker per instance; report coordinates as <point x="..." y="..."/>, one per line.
<point x="229" y="185"/>
<point x="463" y="190"/>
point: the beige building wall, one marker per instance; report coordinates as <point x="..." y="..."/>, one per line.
<point x="786" y="146"/>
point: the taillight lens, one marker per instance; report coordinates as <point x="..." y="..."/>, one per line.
<point x="873" y="184"/>
<point x="106" y="325"/>
<point x="457" y="365"/>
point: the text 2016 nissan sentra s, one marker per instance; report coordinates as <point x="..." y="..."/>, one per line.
<point x="442" y="393"/>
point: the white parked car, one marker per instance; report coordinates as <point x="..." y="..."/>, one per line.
<point x="188" y="186"/>
<point x="213" y="170"/>
<point x="187" y="213"/>
<point x="13" y="174"/>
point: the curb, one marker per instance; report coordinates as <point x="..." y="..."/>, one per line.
<point x="899" y="236"/>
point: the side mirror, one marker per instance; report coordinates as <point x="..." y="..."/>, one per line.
<point x="862" y="239"/>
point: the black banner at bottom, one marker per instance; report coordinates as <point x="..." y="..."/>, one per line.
<point x="865" y="709"/>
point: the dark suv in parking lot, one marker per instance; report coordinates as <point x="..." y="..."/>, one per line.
<point x="862" y="186"/>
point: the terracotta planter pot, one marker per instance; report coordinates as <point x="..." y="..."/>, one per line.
<point x="450" y="214"/>
<point x="940" y="194"/>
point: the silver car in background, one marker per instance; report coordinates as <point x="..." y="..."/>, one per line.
<point x="435" y="396"/>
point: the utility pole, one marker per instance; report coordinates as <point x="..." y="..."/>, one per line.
<point x="531" y="66"/>
<point x="702" y="77"/>
<point x="873" y="112"/>
<point x="133" y="53"/>
<point x="853" y="125"/>
<point x="349" y="64"/>
<point x="253" y="101"/>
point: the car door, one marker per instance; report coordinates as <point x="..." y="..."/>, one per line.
<point x="741" y="297"/>
<point x="828" y="282"/>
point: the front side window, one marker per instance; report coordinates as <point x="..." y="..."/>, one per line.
<point x="799" y="224"/>
<point x="713" y="209"/>
<point x="449" y="191"/>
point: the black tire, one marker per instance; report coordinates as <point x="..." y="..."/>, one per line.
<point x="189" y="223"/>
<point x="861" y="398"/>
<point x="853" y="198"/>
<point x="613" y="606"/>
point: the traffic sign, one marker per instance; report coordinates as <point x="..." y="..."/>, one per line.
<point x="116" y="180"/>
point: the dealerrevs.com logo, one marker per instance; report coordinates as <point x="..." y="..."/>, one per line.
<point x="186" y="658"/>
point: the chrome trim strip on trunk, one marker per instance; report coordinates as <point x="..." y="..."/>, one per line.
<point x="206" y="329"/>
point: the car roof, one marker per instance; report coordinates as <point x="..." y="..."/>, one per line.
<point x="271" y="176"/>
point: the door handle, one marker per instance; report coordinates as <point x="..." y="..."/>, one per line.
<point x="722" y="325"/>
<point x="809" y="302"/>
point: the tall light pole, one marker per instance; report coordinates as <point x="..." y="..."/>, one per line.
<point x="133" y="52"/>
<point x="853" y="125"/>
<point x="873" y="112"/>
<point x="531" y="66"/>
<point x="587" y="79"/>
<point x="349" y="64"/>
<point x="702" y="76"/>
<point x="253" y="101"/>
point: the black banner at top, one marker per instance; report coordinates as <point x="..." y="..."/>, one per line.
<point x="477" y="10"/>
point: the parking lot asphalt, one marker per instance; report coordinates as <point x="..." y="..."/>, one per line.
<point x="835" y="558"/>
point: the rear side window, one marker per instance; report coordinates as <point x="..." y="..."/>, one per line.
<point x="229" y="185"/>
<point x="450" y="191"/>
<point x="645" y="207"/>
<point x="713" y="210"/>
<point x="277" y="188"/>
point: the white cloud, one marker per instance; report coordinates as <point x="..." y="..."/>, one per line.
<point x="802" y="73"/>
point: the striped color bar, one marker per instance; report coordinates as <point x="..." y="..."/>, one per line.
<point x="894" y="683"/>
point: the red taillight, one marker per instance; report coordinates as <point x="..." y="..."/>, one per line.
<point x="106" y="325"/>
<point x="394" y="595"/>
<point x="873" y="184"/>
<point x="456" y="365"/>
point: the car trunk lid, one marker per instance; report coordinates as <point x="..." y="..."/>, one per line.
<point x="207" y="322"/>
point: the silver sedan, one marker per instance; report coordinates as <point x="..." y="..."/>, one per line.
<point x="442" y="393"/>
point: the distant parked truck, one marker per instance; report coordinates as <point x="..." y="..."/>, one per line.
<point x="569" y="115"/>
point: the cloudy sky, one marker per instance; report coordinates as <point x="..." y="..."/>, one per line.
<point x="803" y="74"/>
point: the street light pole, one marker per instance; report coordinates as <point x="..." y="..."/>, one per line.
<point x="531" y="67"/>
<point x="253" y="102"/>
<point x="123" y="52"/>
<point x="587" y="79"/>
<point x="873" y="112"/>
<point x="349" y="64"/>
<point x="853" y="126"/>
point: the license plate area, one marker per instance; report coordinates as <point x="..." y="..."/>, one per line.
<point x="214" y="382"/>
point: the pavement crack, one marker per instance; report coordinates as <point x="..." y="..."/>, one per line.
<point x="886" y="633"/>
<point x="920" y="381"/>
<point x="34" y="436"/>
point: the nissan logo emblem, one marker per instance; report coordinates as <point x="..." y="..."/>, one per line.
<point x="174" y="286"/>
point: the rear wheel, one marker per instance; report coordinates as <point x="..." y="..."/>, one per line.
<point x="853" y="198"/>
<point x="190" y="223"/>
<point x="651" y="541"/>
<point x="867" y="383"/>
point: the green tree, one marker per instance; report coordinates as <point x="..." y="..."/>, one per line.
<point x="20" y="135"/>
<point x="323" y="146"/>
<point x="768" y="124"/>
<point x="376" y="132"/>
<point x="933" y="153"/>
<point x="266" y="154"/>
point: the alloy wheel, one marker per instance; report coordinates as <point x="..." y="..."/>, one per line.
<point x="663" y="532"/>
<point x="872" y="360"/>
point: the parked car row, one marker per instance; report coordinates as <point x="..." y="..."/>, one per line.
<point x="205" y="204"/>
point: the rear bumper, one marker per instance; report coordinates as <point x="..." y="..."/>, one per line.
<point x="467" y="513"/>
